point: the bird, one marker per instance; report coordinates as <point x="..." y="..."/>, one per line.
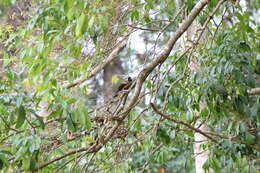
<point x="124" y="86"/>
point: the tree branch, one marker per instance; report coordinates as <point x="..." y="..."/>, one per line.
<point x="93" y="148"/>
<point x="164" y="55"/>
<point x="254" y="91"/>
<point x="181" y="122"/>
<point x="98" y="68"/>
<point x="158" y="60"/>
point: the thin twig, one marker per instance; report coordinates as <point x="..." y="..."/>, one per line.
<point x="144" y="29"/>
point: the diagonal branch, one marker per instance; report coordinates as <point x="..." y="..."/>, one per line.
<point x="164" y="55"/>
<point x="92" y="149"/>
<point x="181" y="122"/>
<point x="98" y="68"/>
<point x="157" y="61"/>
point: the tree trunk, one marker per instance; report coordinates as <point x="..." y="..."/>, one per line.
<point x="201" y="155"/>
<point x="115" y="67"/>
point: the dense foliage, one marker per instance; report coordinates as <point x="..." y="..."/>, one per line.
<point x="43" y="54"/>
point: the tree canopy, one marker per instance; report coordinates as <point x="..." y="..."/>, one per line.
<point x="193" y="63"/>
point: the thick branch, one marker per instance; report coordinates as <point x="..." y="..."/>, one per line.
<point x="163" y="56"/>
<point x="181" y="122"/>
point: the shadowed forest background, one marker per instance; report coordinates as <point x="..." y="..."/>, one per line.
<point x="130" y="86"/>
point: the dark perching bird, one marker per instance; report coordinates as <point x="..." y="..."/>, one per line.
<point x="124" y="86"/>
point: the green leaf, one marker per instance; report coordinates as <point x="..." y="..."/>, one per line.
<point x="244" y="47"/>
<point x="212" y="4"/>
<point x="54" y="82"/>
<point x="7" y="60"/>
<point x="250" y="80"/>
<point x="21" y="117"/>
<point x="70" y="123"/>
<point x="55" y="113"/>
<point x="70" y="13"/>
<point x="163" y="136"/>
<point x="26" y="164"/>
<point x="33" y="164"/>
<point x="103" y="20"/>
<point x="238" y="104"/>
<point x="91" y="22"/>
<point x="115" y="79"/>
<point x="80" y="25"/>
<point x="191" y="4"/>
<point x="149" y="6"/>
<point x="250" y="139"/>
<point x="214" y="162"/>
<point x="3" y="161"/>
<point x="147" y="19"/>
<point x="71" y="100"/>
<point x="88" y="122"/>
<point x="130" y="118"/>
<point x="255" y="110"/>
<point x="220" y="89"/>
<point x="134" y="15"/>
<point x="40" y="119"/>
<point x="137" y="124"/>
<point x="90" y="139"/>
<point x="202" y="19"/>
<point x="206" y="165"/>
<point x="204" y="112"/>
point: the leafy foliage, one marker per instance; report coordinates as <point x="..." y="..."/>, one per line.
<point x="46" y="52"/>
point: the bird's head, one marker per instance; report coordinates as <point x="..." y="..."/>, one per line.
<point x="129" y="79"/>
